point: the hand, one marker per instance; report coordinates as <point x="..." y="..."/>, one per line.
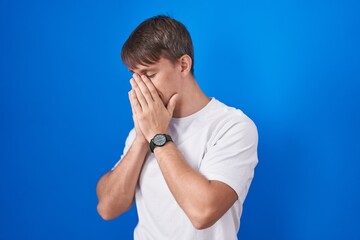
<point x="139" y="135"/>
<point x="150" y="113"/>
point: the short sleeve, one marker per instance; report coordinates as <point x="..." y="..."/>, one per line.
<point x="129" y="140"/>
<point x="232" y="156"/>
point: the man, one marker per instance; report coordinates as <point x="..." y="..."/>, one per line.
<point x="189" y="161"/>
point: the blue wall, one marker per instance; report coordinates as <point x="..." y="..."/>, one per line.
<point x="292" y="66"/>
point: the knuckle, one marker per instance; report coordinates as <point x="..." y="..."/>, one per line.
<point x="153" y="91"/>
<point x="145" y="90"/>
<point x="151" y="107"/>
<point x="142" y="117"/>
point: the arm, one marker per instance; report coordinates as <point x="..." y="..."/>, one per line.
<point x="116" y="189"/>
<point x="203" y="201"/>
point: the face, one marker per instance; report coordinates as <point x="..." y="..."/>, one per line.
<point x="165" y="75"/>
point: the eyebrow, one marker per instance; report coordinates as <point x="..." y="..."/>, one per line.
<point x="144" y="71"/>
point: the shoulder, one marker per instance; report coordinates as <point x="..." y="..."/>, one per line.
<point x="232" y="121"/>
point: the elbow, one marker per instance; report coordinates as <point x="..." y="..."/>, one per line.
<point x="105" y="213"/>
<point x="202" y="225"/>
<point x="203" y="218"/>
<point x="108" y="212"/>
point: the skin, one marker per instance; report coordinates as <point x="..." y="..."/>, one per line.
<point x="159" y="92"/>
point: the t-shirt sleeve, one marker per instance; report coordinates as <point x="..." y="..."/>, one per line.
<point x="232" y="156"/>
<point x="129" y="140"/>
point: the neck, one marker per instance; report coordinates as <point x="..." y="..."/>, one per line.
<point x="191" y="99"/>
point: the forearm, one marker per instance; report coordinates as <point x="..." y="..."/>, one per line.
<point x="195" y="194"/>
<point x="116" y="189"/>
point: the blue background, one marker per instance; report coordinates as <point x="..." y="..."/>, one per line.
<point x="292" y="66"/>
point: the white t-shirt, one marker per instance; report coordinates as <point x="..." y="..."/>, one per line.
<point x="218" y="141"/>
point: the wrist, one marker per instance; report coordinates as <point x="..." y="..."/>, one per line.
<point x="159" y="140"/>
<point x="141" y="141"/>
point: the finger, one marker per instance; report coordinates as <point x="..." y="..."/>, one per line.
<point x="172" y="103"/>
<point x="140" y="97"/>
<point x="131" y="102"/>
<point x="143" y="88"/>
<point x="152" y="89"/>
<point x="135" y="105"/>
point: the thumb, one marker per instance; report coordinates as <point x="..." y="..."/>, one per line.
<point x="172" y="103"/>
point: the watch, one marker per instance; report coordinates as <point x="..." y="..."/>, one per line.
<point x="159" y="140"/>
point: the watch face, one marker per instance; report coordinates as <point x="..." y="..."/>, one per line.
<point x="159" y="140"/>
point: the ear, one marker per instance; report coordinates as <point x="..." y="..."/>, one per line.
<point x="185" y="63"/>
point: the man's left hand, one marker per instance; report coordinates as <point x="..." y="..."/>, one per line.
<point x="152" y="116"/>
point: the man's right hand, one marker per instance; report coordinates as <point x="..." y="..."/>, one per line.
<point x="139" y="135"/>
